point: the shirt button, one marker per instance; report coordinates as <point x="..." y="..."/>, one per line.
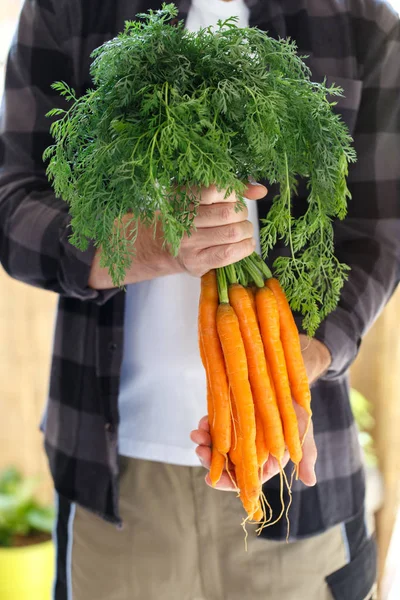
<point x="112" y="347"/>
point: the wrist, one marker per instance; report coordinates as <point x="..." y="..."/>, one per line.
<point x="317" y="358"/>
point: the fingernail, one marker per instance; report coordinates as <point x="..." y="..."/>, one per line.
<point x="253" y="181"/>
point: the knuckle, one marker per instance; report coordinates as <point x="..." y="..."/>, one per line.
<point x="250" y="228"/>
<point x="247" y="247"/>
<point x="233" y="233"/>
<point x="225" y="213"/>
<point x="227" y="253"/>
<point x="198" y="264"/>
<point x="244" y="213"/>
<point x="208" y="195"/>
<point x="207" y="212"/>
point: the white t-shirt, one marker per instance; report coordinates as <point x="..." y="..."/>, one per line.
<point x="163" y="385"/>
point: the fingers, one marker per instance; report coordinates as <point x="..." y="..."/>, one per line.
<point x="272" y="468"/>
<point x="204" y="424"/>
<point x="211" y="195"/>
<point x="307" y="464"/>
<point x="255" y="191"/>
<point x="225" y="484"/>
<point x="214" y="215"/>
<point x="201" y="437"/>
<point x="216" y="257"/>
<point x="222" y="235"/>
<point x="218" y="236"/>
<point x="204" y="454"/>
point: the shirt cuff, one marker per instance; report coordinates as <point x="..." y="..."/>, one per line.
<point x="74" y="270"/>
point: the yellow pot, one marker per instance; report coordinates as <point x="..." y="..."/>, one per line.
<point x="26" y="573"/>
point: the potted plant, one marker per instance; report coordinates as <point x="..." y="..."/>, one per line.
<point x="26" y="548"/>
<point x="362" y="410"/>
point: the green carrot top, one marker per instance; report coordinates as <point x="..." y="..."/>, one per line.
<point x="171" y="109"/>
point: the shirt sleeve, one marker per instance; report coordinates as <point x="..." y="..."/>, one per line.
<point x="368" y="240"/>
<point x="34" y="224"/>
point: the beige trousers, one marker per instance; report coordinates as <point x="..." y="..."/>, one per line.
<point x="182" y="540"/>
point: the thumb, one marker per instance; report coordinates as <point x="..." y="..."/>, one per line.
<point x="255" y="191"/>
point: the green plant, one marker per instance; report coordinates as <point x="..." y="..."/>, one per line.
<point x="362" y="411"/>
<point x="171" y="111"/>
<point x="20" y="513"/>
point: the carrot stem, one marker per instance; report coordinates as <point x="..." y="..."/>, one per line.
<point x="230" y="272"/>
<point x="260" y="264"/>
<point x="242" y="275"/>
<point x="222" y="286"/>
<point x="254" y="273"/>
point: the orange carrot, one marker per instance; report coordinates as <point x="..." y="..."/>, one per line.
<point x="215" y="364"/>
<point x="235" y="454"/>
<point x="291" y="346"/>
<point x="260" y="381"/>
<point x="236" y="367"/>
<point x="217" y="459"/>
<point x="218" y="463"/>
<point x="234" y="449"/>
<point x="261" y="446"/>
<point x="268" y="315"/>
<point x="250" y="505"/>
<point x="250" y="293"/>
<point x="259" y="514"/>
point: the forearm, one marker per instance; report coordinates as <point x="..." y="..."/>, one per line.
<point x="34" y="224"/>
<point x="368" y="240"/>
<point x="34" y="232"/>
<point x="372" y="250"/>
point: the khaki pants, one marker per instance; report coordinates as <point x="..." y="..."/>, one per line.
<point x="182" y="540"/>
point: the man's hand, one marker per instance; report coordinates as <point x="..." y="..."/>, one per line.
<point x="222" y="236"/>
<point x="317" y="360"/>
<point x="202" y="438"/>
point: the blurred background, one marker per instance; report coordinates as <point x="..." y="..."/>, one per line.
<point x="26" y="325"/>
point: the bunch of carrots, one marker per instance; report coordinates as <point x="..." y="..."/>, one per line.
<point x="250" y="348"/>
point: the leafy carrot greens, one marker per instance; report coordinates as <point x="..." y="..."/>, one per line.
<point x="172" y="110"/>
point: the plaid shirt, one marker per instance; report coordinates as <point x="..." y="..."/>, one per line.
<point x="356" y="43"/>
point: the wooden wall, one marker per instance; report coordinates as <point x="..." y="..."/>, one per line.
<point x="26" y="317"/>
<point x="26" y="320"/>
<point x="376" y="374"/>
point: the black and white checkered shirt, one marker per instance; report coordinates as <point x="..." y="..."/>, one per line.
<point x="356" y="44"/>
